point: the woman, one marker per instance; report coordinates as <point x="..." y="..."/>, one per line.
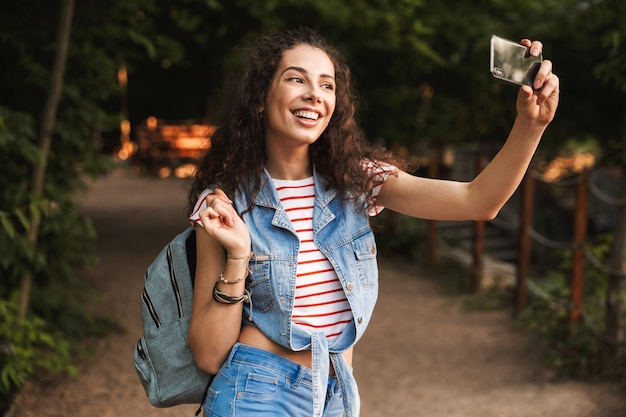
<point x="286" y="277"/>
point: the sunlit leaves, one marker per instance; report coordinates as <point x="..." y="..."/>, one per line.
<point x="26" y="347"/>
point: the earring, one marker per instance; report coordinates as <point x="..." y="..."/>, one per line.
<point x="260" y="115"/>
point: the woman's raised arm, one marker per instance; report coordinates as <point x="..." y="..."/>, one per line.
<point x="482" y="198"/>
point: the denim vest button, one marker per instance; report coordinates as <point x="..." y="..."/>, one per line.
<point x="360" y="320"/>
<point x="350" y="286"/>
<point x="373" y="249"/>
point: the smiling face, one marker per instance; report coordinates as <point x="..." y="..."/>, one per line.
<point x="301" y="99"/>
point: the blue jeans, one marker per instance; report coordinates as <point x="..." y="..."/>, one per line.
<point x="255" y="383"/>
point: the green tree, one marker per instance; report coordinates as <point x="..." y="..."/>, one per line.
<point x="71" y="149"/>
<point x="45" y="140"/>
<point x="610" y="18"/>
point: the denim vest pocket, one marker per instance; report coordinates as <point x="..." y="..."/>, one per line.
<point x="259" y="283"/>
<point x="365" y="252"/>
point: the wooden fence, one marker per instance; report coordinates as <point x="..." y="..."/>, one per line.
<point x="527" y="237"/>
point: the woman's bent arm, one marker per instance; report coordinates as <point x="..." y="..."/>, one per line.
<point x="223" y="249"/>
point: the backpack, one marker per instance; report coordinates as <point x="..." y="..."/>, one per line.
<point x="163" y="359"/>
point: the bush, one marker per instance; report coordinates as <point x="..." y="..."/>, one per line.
<point x="28" y="347"/>
<point x="58" y="317"/>
<point x="575" y="348"/>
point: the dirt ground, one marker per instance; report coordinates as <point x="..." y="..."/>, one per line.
<point x="423" y="355"/>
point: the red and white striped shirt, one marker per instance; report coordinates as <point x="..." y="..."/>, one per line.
<point x="320" y="303"/>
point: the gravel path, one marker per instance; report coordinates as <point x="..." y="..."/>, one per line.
<point x="423" y="356"/>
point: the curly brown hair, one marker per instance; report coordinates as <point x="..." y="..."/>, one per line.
<point x="237" y="145"/>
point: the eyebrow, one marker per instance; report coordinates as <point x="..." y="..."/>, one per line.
<point x="300" y="69"/>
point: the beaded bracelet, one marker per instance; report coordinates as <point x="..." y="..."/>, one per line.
<point x="234" y="281"/>
<point x="223" y="298"/>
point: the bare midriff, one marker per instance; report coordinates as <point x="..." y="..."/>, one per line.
<point x="252" y="336"/>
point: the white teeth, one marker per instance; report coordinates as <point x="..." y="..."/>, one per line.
<point x="306" y="114"/>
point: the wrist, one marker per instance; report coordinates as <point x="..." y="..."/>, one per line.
<point x="529" y="127"/>
<point x="236" y="276"/>
<point x="239" y="256"/>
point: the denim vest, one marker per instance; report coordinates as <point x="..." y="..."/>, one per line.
<point x="343" y="234"/>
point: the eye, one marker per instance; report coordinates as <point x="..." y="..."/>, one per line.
<point x="296" y="80"/>
<point x="328" y="86"/>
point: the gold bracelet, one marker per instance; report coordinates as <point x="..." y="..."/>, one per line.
<point x="241" y="258"/>
<point x="228" y="281"/>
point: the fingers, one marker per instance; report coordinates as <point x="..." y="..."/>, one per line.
<point x="219" y="210"/>
<point x="535" y="47"/>
<point x="220" y="221"/>
<point x="541" y="100"/>
<point x="539" y="106"/>
<point x="550" y="88"/>
<point x="545" y="70"/>
<point x="546" y="82"/>
<point x="220" y="193"/>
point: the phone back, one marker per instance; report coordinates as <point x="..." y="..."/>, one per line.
<point x="511" y="62"/>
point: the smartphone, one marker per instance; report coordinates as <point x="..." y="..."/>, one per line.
<point x="511" y="62"/>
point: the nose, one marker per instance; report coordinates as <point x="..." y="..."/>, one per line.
<point x="314" y="95"/>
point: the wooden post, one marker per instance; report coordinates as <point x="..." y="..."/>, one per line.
<point x="431" y="250"/>
<point x="616" y="291"/>
<point x="578" y="254"/>
<point x="525" y="243"/>
<point x="479" y="239"/>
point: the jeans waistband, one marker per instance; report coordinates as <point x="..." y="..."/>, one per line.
<point x="297" y="373"/>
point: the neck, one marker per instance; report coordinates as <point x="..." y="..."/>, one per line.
<point x="294" y="166"/>
<point x="287" y="171"/>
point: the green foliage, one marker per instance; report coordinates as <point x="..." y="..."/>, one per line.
<point x="16" y="206"/>
<point x="420" y="66"/>
<point x="588" y="53"/>
<point x="610" y="19"/>
<point x="574" y="348"/>
<point x="87" y="121"/>
<point x="28" y="347"/>
<point x="399" y="235"/>
<point x="67" y="238"/>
